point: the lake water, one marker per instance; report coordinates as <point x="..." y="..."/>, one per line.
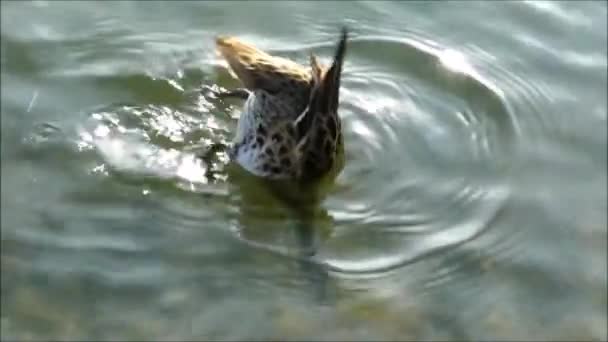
<point x="472" y="205"/>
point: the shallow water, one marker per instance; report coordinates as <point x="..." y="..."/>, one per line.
<point x="472" y="205"/>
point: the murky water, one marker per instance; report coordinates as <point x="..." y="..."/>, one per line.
<point x="472" y="205"/>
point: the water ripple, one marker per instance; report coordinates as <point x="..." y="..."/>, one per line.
<point x="450" y="180"/>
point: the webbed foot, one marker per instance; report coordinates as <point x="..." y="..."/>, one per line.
<point x="207" y="154"/>
<point x="239" y="93"/>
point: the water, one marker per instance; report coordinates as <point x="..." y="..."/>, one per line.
<point x="472" y="205"/>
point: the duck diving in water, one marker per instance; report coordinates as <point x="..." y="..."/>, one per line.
<point x="289" y="127"/>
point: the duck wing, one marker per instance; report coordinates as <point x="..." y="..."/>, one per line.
<point x="257" y="69"/>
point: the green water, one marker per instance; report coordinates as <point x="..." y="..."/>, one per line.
<point x="472" y="205"/>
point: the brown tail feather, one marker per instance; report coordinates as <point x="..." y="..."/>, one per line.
<point x="330" y="93"/>
<point x="326" y="93"/>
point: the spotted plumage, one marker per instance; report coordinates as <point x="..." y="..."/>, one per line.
<point x="289" y="127"/>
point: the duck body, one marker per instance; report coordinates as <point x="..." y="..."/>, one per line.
<point x="289" y="128"/>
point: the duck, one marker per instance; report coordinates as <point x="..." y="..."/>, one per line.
<point x="289" y="127"/>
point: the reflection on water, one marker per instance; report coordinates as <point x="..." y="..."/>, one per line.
<point x="472" y="204"/>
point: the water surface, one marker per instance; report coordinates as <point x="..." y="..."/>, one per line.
<point x="472" y="205"/>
